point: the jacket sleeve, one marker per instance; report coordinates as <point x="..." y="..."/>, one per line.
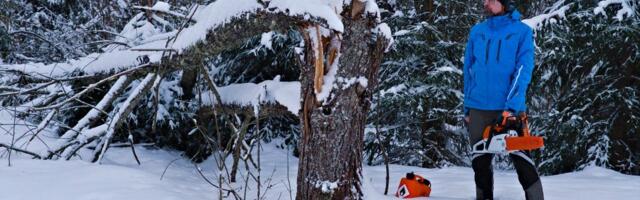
<point x="468" y="62"/>
<point x="522" y="75"/>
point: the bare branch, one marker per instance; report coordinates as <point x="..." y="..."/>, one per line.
<point x="72" y="133"/>
<point x="175" y="14"/>
<point x="35" y="155"/>
<point x="128" y="105"/>
<point x="93" y="86"/>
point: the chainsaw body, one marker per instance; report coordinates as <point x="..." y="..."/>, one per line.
<point x="413" y="186"/>
<point x="509" y="135"/>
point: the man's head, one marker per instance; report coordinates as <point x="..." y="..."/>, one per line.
<point x="497" y="7"/>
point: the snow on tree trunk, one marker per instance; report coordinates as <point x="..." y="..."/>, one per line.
<point x="333" y="128"/>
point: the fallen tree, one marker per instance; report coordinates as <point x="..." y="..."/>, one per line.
<point x="344" y="42"/>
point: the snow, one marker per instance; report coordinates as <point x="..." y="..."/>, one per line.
<point x="394" y="90"/>
<point x="625" y="10"/>
<point x="537" y="21"/>
<point x="309" y="8"/>
<point x="272" y="91"/>
<point x="401" y="33"/>
<point x="371" y="7"/>
<point x="207" y="17"/>
<point x="161" y="6"/>
<point x="337" y="5"/>
<point x="328" y="80"/>
<point x="79" y="180"/>
<point x="327" y="186"/>
<point x="56" y="2"/>
<point x="348" y="82"/>
<point x="119" y="176"/>
<point x="92" y="64"/>
<point x="45" y="121"/>
<point x="213" y="15"/>
<point x="385" y="30"/>
<point x="448" y="69"/>
<point x="122" y="4"/>
<point x="91" y="132"/>
<point x="266" y="40"/>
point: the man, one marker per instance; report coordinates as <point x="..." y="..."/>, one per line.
<point x="497" y="70"/>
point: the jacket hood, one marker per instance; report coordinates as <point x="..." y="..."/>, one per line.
<point x="502" y="20"/>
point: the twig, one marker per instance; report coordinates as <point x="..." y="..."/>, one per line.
<point x="259" y="142"/>
<point x="167" y="167"/>
<point x="235" y="194"/>
<point x="28" y="91"/>
<point x="8" y="147"/>
<point x="43" y="124"/>
<point x="133" y="149"/>
<point x="288" y="177"/>
<point x="175" y="14"/>
<point x="13" y="135"/>
<point x="158" y="49"/>
<point x="94" y="85"/>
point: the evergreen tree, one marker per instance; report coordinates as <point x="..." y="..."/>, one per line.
<point x="418" y="104"/>
<point x="586" y="88"/>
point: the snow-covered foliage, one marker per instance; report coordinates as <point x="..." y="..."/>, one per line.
<point x="156" y="34"/>
<point x="48" y="32"/>
<point x="151" y="33"/>
<point x="416" y="112"/>
<point x="585" y="90"/>
<point x="585" y="57"/>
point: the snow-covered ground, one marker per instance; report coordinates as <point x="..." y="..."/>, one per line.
<point x="120" y="177"/>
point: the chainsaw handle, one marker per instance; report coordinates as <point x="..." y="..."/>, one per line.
<point x="486" y="132"/>
<point x="525" y="124"/>
<point x="501" y="125"/>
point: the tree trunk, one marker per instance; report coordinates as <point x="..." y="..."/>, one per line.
<point x="148" y="12"/>
<point x="187" y="82"/>
<point x="423" y="8"/>
<point x="237" y="148"/>
<point x="331" y="145"/>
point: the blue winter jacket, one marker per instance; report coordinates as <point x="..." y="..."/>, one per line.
<point x="498" y="64"/>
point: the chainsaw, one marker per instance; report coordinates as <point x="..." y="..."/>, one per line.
<point x="507" y="135"/>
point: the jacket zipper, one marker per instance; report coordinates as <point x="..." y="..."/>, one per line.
<point x="509" y="36"/>
<point x="498" y="53"/>
<point x="486" y="55"/>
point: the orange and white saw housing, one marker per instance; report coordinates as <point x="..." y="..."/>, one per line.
<point x="504" y="140"/>
<point x="413" y="186"/>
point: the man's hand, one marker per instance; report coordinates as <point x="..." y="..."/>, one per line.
<point x="467" y="119"/>
<point x="507" y="118"/>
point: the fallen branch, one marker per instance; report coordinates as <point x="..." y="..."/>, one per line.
<point x="128" y="105"/>
<point x="175" y="14"/>
<point x="93" y="86"/>
<point x="35" y="155"/>
<point x="72" y="133"/>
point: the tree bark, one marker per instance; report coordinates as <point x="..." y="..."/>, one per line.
<point x="331" y="145"/>
<point x="187" y="82"/>
<point x="423" y="8"/>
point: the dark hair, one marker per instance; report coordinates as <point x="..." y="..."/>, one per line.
<point x="509" y="5"/>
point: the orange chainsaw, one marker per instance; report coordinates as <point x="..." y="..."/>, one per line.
<point x="507" y="135"/>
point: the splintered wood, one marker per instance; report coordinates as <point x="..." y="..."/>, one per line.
<point x="329" y="46"/>
<point x="319" y="61"/>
